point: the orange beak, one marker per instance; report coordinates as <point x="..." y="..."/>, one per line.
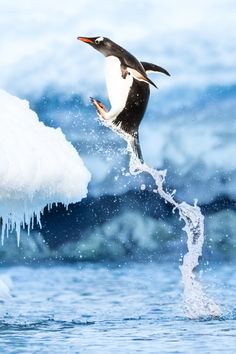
<point x="84" y="39"/>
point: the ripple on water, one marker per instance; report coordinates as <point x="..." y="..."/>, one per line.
<point x="49" y="324"/>
<point x="51" y="313"/>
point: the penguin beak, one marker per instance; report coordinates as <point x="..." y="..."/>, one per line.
<point x="85" y="39"/>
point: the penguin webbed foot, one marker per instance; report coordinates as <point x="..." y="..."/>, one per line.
<point x="100" y="108"/>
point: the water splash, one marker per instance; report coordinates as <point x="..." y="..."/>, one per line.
<point x="197" y="303"/>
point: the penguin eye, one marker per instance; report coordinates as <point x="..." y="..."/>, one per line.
<point x="98" y="40"/>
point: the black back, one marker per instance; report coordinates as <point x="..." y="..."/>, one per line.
<point x="130" y="118"/>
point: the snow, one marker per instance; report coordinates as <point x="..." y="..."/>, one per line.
<point x="38" y="166"/>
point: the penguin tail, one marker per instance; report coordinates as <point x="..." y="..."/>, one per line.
<point x="135" y="145"/>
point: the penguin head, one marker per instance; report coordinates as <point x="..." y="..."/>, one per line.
<point x="102" y="44"/>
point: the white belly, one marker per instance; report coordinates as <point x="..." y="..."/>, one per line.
<point x="117" y="87"/>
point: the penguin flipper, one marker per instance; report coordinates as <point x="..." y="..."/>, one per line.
<point x="139" y="76"/>
<point x="154" y="68"/>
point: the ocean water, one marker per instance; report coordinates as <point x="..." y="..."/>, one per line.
<point x="116" y="308"/>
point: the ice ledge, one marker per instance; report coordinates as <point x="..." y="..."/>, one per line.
<point x="38" y="166"/>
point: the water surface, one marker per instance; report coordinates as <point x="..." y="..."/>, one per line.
<point x="128" y="308"/>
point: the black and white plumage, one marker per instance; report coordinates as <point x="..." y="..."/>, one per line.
<point x="128" y="88"/>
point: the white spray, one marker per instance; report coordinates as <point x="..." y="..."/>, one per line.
<point x="197" y="303"/>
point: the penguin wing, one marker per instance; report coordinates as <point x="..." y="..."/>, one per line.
<point x="139" y="76"/>
<point x="130" y="65"/>
<point x="154" y="68"/>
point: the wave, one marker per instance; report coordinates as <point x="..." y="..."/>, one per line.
<point x="127" y="236"/>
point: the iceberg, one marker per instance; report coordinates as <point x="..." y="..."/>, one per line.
<point x="38" y="166"/>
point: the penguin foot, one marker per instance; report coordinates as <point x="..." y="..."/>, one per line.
<point x="100" y="108"/>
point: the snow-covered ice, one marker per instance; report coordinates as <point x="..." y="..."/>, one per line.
<point x="38" y="166"/>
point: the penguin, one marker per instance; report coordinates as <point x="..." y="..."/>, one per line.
<point x="128" y="89"/>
